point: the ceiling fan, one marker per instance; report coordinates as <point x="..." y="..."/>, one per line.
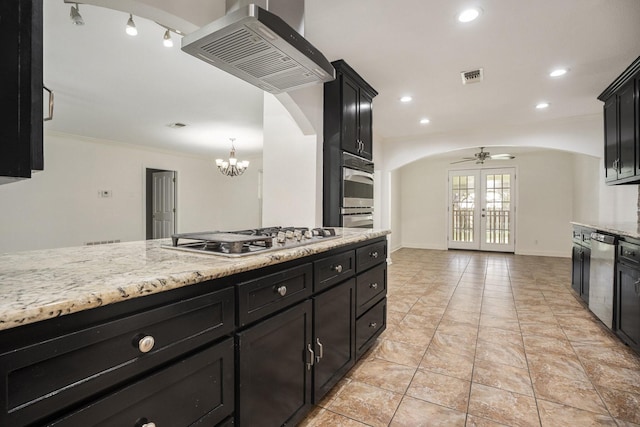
<point x="482" y="155"/>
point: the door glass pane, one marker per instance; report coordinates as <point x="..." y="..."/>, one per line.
<point x="497" y="220"/>
<point x="463" y="205"/>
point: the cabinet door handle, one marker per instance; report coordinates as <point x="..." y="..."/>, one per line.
<point x="373" y="286"/>
<point x="637" y="287"/>
<point x="320" y="350"/>
<point x="373" y="325"/>
<point x="50" y="116"/>
<point x="282" y="290"/>
<point x="312" y="357"/>
<point x="146" y="343"/>
<point x="629" y="253"/>
<point x="338" y="268"/>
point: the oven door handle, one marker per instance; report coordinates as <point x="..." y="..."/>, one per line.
<point x="358" y="176"/>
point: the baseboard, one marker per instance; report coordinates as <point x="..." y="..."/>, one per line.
<point x="556" y="254"/>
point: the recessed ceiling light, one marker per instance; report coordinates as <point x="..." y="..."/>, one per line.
<point x="424" y="121"/>
<point x="469" y="15"/>
<point x="558" y="72"/>
<point x="542" y="105"/>
<point x="406" y="99"/>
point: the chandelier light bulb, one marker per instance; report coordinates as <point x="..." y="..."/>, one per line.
<point x="131" y="27"/>
<point x="167" y="42"/>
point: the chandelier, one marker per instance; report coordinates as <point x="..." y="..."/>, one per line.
<point x="232" y="167"/>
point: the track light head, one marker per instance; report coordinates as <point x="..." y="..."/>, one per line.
<point x="76" y="18"/>
<point x="131" y="27"/>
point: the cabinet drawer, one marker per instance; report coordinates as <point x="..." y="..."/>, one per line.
<point x="369" y="326"/>
<point x="261" y="297"/>
<point x="57" y="373"/>
<point x="371" y="286"/>
<point x="198" y="389"/>
<point x="333" y="269"/>
<point x="370" y="255"/>
<point x="629" y="253"/>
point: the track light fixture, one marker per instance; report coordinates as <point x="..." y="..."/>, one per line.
<point x="167" y="39"/>
<point x="76" y="18"/>
<point x="131" y="27"/>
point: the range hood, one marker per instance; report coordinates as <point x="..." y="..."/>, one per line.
<point x="260" y="48"/>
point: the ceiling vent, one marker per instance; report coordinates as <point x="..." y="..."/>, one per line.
<point x="472" y="76"/>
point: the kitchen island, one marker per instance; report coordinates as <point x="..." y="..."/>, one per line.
<point x="137" y="334"/>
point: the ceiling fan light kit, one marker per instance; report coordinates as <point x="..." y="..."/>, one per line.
<point x="482" y="155"/>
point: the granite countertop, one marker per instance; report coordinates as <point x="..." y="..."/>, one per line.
<point x="627" y="229"/>
<point x="39" y="285"/>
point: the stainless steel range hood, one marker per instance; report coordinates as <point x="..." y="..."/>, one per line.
<point x="260" y="48"/>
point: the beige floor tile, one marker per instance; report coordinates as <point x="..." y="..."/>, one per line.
<point x="473" y="421"/>
<point x="549" y="365"/>
<point x="577" y="394"/>
<point x="504" y="377"/>
<point x="500" y="323"/>
<point x="418" y="337"/>
<point x="499" y="336"/>
<point x="418" y="413"/>
<point x="399" y="352"/>
<point x="556" y="415"/>
<point x="615" y="377"/>
<point x="453" y="344"/>
<point x="440" y="389"/>
<point x="458" y="365"/>
<point x="622" y="405"/>
<point x="367" y="404"/>
<point x="503" y="406"/>
<point x="394" y="317"/>
<point x="465" y="330"/>
<point x="414" y="321"/>
<point x="322" y="418"/>
<point x="383" y="374"/>
<point x="543" y="329"/>
<point x="543" y="345"/>
<point x="618" y="355"/>
<point x="471" y="318"/>
<point x="505" y="353"/>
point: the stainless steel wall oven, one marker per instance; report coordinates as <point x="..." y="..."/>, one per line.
<point x="357" y="192"/>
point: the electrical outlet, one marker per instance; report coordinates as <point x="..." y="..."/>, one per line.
<point x="104" y="193"/>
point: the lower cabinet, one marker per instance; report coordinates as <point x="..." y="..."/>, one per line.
<point x="627" y="310"/>
<point x="197" y="389"/>
<point x="581" y="262"/>
<point x="274" y="371"/>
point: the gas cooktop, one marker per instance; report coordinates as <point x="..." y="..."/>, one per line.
<point x="248" y="242"/>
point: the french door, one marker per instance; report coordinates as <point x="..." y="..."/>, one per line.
<point x="481" y="209"/>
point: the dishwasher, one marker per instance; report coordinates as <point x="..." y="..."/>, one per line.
<point x="602" y="276"/>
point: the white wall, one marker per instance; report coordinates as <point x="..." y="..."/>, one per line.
<point x="544" y="208"/>
<point x="290" y="173"/>
<point x="587" y="186"/>
<point x="60" y="205"/>
<point x="395" y="211"/>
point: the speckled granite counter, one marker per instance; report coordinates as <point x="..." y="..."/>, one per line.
<point x="39" y="285"/>
<point x="627" y="229"/>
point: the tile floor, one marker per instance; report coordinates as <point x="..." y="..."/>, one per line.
<point x="486" y="339"/>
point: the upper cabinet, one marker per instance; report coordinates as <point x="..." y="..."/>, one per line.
<point x="348" y="112"/>
<point x="622" y="127"/>
<point x="22" y="90"/>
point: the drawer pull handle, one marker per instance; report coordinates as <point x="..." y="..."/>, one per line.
<point x="374" y="254"/>
<point x="282" y="290"/>
<point x="146" y="343"/>
<point x="338" y="268"/>
<point x="373" y="286"/>
<point x="320" y="350"/>
<point x="312" y="358"/>
<point x="373" y="325"/>
<point x="629" y="253"/>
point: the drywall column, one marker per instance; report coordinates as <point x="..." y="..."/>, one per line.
<point x="289" y="169"/>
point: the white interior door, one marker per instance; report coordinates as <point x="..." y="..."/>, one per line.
<point x="163" y="202"/>
<point x="481" y="209"/>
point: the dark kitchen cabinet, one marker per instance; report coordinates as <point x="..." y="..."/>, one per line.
<point x="622" y="127"/>
<point x="348" y="111"/>
<point x="348" y="120"/>
<point x="276" y="359"/>
<point x="627" y="312"/>
<point x="21" y="80"/>
<point x="581" y="262"/>
<point x="334" y="323"/>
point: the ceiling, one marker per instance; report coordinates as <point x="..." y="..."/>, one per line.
<point x="116" y="87"/>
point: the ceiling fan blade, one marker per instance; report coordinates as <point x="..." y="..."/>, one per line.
<point x="462" y="161"/>
<point x="503" y="156"/>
